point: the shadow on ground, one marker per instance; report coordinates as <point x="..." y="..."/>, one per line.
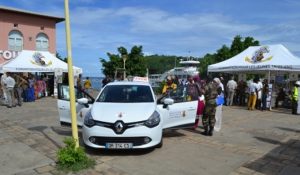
<point x="172" y="133"/>
<point x="195" y="131"/>
<point x="41" y="129"/>
<point x="282" y="160"/>
<point x="289" y="129"/>
<point x="131" y="152"/>
<point x="64" y="131"/>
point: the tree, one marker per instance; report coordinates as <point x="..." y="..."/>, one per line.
<point x="158" y="64"/>
<point x="62" y="59"/>
<point x="237" y="46"/>
<point x="135" y="63"/>
<point x="223" y="54"/>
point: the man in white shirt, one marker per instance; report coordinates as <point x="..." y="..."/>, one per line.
<point x="231" y="87"/>
<point x="10" y="84"/>
<point x="253" y="87"/>
<point x="259" y="94"/>
<point x="3" y="77"/>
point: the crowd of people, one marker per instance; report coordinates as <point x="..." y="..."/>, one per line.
<point x="16" y="88"/>
<point x="195" y="89"/>
<point x="252" y="94"/>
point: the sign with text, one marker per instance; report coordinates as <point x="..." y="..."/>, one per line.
<point x="6" y="55"/>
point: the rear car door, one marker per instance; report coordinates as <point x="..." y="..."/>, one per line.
<point x="181" y="114"/>
<point x="63" y="104"/>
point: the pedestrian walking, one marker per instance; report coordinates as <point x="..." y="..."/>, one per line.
<point x="220" y="102"/>
<point x="9" y="82"/>
<point x="79" y="87"/>
<point x="253" y="87"/>
<point x="105" y="81"/>
<point x="231" y="88"/>
<point x="210" y="94"/>
<point x="259" y="95"/>
<point x="20" y="82"/>
<point x="264" y="95"/>
<point x="87" y="85"/>
<point x="170" y="85"/>
<point x="3" y="86"/>
<point x="295" y="97"/>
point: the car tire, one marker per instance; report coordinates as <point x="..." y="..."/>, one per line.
<point x="160" y="144"/>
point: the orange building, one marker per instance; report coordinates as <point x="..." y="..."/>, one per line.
<point x="25" y="30"/>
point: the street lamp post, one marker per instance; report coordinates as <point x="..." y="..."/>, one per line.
<point x="124" y="57"/>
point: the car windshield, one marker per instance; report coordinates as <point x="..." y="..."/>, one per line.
<point x="126" y="94"/>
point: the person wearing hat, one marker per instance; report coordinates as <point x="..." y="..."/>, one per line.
<point x="295" y="97"/>
<point x="170" y="85"/>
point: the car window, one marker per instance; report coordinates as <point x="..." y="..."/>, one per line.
<point x="180" y="94"/>
<point x="126" y="94"/>
<point x="64" y="91"/>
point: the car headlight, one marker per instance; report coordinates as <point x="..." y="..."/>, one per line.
<point x="88" y="119"/>
<point x="153" y="120"/>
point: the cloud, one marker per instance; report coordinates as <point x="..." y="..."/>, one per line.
<point x="147" y="26"/>
<point x="98" y="29"/>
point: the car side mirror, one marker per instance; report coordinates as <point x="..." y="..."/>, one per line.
<point x="83" y="101"/>
<point x="168" y="101"/>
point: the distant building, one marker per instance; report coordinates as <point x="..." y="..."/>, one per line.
<point x="26" y="30"/>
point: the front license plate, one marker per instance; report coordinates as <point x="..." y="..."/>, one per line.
<point x="118" y="145"/>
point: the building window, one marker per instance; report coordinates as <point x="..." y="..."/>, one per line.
<point x="15" y="41"/>
<point x="42" y="42"/>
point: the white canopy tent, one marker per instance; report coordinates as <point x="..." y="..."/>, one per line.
<point x="259" y="58"/>
<point x="37" y="61"/>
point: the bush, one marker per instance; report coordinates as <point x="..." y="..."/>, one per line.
<point x="72" y="159"/>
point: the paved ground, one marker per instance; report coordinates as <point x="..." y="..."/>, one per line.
<point x="250" y="142"/>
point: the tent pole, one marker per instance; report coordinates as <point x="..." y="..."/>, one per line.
<point x="269" y="77"/>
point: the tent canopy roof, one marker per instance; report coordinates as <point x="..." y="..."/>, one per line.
<point x="36" y="61"/>
<point x="260" y="58"/>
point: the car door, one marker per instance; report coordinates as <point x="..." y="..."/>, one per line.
<point x="63" y="104"/>
<point x="181" y="114"/>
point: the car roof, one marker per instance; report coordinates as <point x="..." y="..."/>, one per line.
<point x="129" y="83"/>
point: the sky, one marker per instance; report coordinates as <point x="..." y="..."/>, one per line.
<point x="166" y="27"/>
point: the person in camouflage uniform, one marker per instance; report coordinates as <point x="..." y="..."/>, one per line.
<point x="210" y="94"/>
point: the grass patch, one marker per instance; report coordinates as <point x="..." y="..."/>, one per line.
<point x="72" y="159"/>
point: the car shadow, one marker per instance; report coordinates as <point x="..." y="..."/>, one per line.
<point x="41" y="129"/>
<point x="168" y="133"/>
<point x="283" y="159"/>
<point x="196" y="131"/>
<point x="289" y="129"/>
<point x="128" y="152"/>
<point x="64" y="131"/>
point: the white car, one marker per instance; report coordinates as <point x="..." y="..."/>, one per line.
<point x="127" y="115"/>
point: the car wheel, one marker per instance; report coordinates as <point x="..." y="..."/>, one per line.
<point x="160" y="144"/>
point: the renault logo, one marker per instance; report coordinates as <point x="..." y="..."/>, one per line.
<point x="119" y="127"/>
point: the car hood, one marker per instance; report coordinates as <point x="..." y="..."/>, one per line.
<point x="131" y="112"/>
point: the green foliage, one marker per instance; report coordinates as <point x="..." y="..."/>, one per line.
<point x="137" y="63"/>
<point x="61" y="58"/>
<point x="237" y="46"/>
<point x="158" y="64"/>
<point x="72" y="159"/>
<point x="134" y="64"/>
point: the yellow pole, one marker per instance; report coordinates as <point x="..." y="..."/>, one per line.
<point x="71" y="77"/>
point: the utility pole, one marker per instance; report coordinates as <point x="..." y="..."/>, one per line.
<point x="71" y="77"/>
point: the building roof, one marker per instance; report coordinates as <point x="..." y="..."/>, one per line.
<point x="56" y="18"/>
